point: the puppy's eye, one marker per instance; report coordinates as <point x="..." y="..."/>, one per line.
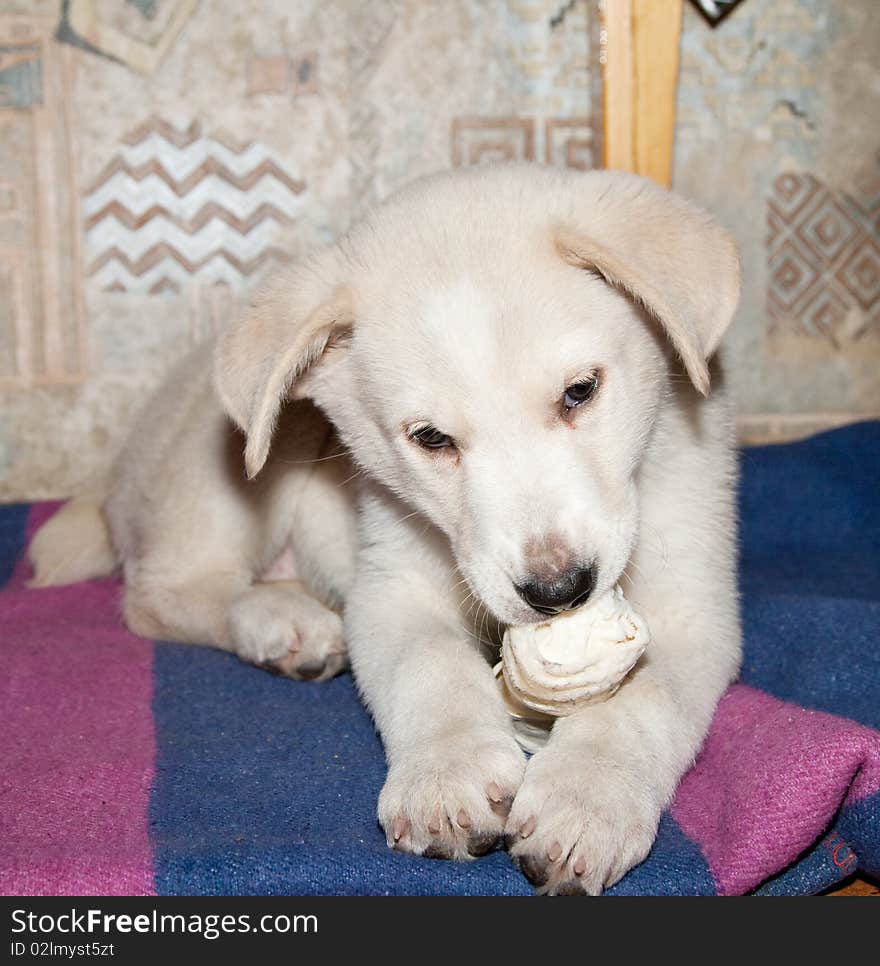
<point x="580" y="392"/>
<point x="429" y="437"/>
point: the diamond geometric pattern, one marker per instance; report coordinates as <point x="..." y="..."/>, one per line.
<point x="823" y="256"/>
<point x="860" y="274"/>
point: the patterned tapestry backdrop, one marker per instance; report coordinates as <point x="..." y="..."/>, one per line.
<point x="158" y="158"/>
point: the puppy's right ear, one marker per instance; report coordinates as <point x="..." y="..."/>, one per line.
<point x="280" y="334"/>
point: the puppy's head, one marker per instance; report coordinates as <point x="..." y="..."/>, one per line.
<point x="493" y="345"/>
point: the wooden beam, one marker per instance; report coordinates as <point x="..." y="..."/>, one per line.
<point x="640" y="75"/>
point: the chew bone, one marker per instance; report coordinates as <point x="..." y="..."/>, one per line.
<point x="578" y="658"/>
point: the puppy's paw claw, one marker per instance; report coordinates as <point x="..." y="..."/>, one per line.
<point x="571" y="887"/>
<point x="482" y="843"/>
<point x="451" y="801"/>
<point x="534" y="868"/>
<point x="575" y="831"/>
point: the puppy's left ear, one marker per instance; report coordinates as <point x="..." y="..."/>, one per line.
<point x="280" y="336"/>
<point x="668" y="255"/>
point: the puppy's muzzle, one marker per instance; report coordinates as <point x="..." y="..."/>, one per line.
<point x="565" y="592"/>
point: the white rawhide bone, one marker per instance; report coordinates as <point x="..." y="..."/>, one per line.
<point x="578" y="658"/>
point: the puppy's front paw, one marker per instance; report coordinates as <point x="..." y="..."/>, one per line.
<point x="288" y="632"/>
<point x="576" y="827"/>
<point x="449" y="799"/>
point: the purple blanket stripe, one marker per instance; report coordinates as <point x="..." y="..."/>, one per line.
<point x="771" y="777"/>
<point x="79" y="747"/>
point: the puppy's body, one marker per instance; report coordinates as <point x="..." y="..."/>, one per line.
<point x="430" y="477"/>
<point x="194" y="535"/>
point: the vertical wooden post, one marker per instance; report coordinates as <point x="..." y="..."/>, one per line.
<point x="640" y="75"/>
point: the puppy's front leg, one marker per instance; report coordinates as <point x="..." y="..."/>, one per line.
<point x="591" y="800"/>
<point x="453" y="763"/>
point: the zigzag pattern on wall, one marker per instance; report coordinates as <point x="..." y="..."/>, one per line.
<point x="176" y="204"/>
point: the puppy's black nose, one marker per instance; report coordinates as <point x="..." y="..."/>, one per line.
<point x="562" y="593"/>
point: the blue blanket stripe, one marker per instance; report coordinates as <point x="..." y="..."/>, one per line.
<point x="810" y="571"/>
<point x="860" y="825"/>
<point x="819" y="652"/>
<point x="675" y="867"/>
<point x="268" y="787"/>
<point x="13" y="526"/>
<point x="821" y="867"/>
<point x="804" y="503"/>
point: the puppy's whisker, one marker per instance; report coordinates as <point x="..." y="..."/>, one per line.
<point x="458" y="584"/>
<point x="318" y="459"/>
<point x="475" y="602"/>
<point x="484" y="625"/>
<point x="474" y="637"/>
<point x="659" y="541"/>
<point x="475" y="614"/>
<point x="353" y="476"/>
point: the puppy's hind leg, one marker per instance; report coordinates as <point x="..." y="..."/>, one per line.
<point x="279" y="626"/>
<point x="282" y="627"/>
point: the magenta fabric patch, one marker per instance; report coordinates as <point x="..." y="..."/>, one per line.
<point x="770" y="778"/>
<point x="78" y="749"/>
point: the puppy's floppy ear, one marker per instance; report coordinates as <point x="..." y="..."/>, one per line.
<point x="668" y="255"/>
<point x="278" y="336"/>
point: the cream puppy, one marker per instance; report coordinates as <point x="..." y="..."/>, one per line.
<point x="487" y="403"/>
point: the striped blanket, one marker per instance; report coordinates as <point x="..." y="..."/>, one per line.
<point x="137" y="767"/>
